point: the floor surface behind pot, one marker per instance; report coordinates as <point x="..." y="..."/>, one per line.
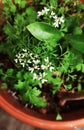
<point x="7" y="122"/>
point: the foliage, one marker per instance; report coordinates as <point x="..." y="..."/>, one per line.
<point x="45" y="42"/>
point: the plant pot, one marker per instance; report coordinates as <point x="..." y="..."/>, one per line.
<point x="70" y="120"/>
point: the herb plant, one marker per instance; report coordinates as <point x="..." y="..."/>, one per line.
<point x="44" y="44"/>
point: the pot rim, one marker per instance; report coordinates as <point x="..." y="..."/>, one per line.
<point x="37" y="122"/>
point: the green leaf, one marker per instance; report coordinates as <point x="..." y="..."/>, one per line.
<point x="19" y="75"/>
<point x="13" y="8"/>
<point x="38" y="101"/>
<point x="32" y="14"/>
<point x="77" y="42"/>
<point x="44" y="32"/>
<point x="23" y="4"/>
<point x="53" y="3"/>
<point x="33" y="96"/>
<point x="79" y="87"/>
<point x="9" y="72"/>
<point x="20" y="85"/>
<point x="1" y="72"/>
<point x="77" y="31"/>
<point x="80" y="67"/>
<point x="59" y="117"/>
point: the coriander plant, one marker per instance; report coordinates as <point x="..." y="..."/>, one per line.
<point x="44" y="44"/>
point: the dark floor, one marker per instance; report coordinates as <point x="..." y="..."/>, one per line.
<point x="7" y="122"/>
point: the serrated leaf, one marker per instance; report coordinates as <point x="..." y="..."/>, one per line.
<point x="38" y="101"/>
<point x="77" y="42"/>
<point x="13" y="8"/>
<point x="20" y="85"/>
<point x="9" y="72"/>
<point x="44" y="32"/>
<point x="33" y="96"/>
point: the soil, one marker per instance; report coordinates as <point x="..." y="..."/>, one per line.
<point x="60" y="102"/>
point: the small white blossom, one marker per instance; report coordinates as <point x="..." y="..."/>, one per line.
<point x="44" y="74"/>
<point x="22" y="64"/>
<point x="36" y="61"/>
<point x="52" y="13"/>
<point x="20" y="60"/>
<point x="55" y="17"/>
<point x="24" y="50"/>
<point x="58" y="21"/>
<point x="29" y="61"/>
<point x="36" y="67"/>
<point x="61" y="19"/>
<point x="46" y="60"/>
<point x="16" y="60"/>
<point x="43" y="12"/>
<point x="51" y="68"/>
<point x="40" y="13"/>
<point x="18" y="56"/>
<point x="31" y="69"/>
<point x="56" y="24"/>
<point x="35" y="76"/>
<point x="43" y="81"/>
<point x="30" y="54"/>
<point x="43" y="67"/>
<point x="46" y="10"/>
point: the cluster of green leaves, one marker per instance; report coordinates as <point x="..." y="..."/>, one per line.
<point x="24" y="83"/>
<point x="18" y="16"/>
<point x="24" y="30"/>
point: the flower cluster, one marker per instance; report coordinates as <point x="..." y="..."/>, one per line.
<point x="51" y="15"/>
<point x="34" y="65"/>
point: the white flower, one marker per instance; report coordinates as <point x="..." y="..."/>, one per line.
<point x="40" y="13"/>
<point x="30" y="54"/>
<point x="31" y="69"/>
<point x="23" y="55"/>
<point x="23" y="65"/>
<point x="16" y="60"/>
<point x="56" y="24"/>
<point x="43" y="74"/>
<point x="43" y="81"/>
<point x="43" y="67"/>
<point x="51" y="68"/>
<point x="46" y="60"/>
<point x="24" y="50"/>
<point x="35" y="76"/>
<point x="55" y="17"/>
<point x="18" y="56"/>
<point x="52" y="13"/>
<point x="46" y="10"/>
<point x="36" y="67"/>
<point x="29" y="61"/>
<point x="36" y="61"/>
<point x="20" y="60"/>
<point x="61" y="20"/>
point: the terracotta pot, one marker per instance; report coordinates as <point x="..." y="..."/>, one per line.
<point x="70" y="120"/>
<point x="82" y="1"/>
